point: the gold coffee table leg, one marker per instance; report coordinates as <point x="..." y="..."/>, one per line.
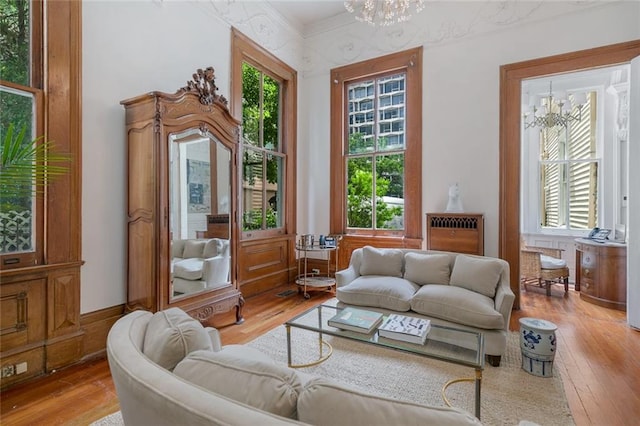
<point x="477" y="380"/>
<point x="321" y="345"/>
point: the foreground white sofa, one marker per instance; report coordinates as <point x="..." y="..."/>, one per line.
<point x="452" y="289"/>
<point x="169" y="370"/>
<point x="199" y="264"/>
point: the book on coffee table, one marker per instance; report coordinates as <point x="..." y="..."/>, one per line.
<point x="358" y="320"/>
<point x="406" y="329"/>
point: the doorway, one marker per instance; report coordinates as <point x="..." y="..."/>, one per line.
<point x="574" y="170"/>
<point x="511" y="78"/>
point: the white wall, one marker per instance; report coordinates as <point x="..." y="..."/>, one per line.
<point x="464" y="43"/>
<point x="130" y="48"/>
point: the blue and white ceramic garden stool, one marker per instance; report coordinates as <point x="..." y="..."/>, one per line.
<point x="538" y="344"/>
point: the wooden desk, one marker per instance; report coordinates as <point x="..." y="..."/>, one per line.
<point x="601" y="273"/>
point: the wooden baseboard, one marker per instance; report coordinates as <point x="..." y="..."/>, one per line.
<point x="96" y="326"/>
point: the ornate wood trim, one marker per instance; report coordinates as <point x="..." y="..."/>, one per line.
<point x="204" y="84"/>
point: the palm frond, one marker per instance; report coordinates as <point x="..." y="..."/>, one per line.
<point x="28" y="166"/>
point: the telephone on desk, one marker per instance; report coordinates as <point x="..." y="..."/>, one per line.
<point x="599" y="235"/>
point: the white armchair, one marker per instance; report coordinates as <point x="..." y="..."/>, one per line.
<point x="199" y="264"/>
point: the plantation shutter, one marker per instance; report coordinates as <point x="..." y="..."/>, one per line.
<point x="583" y="175"/>
<point x="550" y="176"/>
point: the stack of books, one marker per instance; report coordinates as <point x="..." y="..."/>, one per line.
<point x="406" y="329"/>
<point x="358" y="320"/>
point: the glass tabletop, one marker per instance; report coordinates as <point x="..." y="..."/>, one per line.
<point x="462" y="347"/>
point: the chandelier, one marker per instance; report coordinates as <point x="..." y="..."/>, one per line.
<point x="383" y="12"/>
<point x="553" y="111"/>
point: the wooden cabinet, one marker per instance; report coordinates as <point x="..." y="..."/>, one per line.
<point x="601" y="273"/>
<point x="457" y="232"/>
<point x="217" y="226"/>
<point x="182" y="162"/>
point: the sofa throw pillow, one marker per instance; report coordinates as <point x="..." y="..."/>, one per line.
<point x="177" y="248"/>
<point x="323" y="402"/>
<point x="194" y="248"/>
<point x="476" y="274"/>
<point x="171" y="335"/>
<point x="457" y="304"/>
<point x="392" y="293"/>
<point x="426" y="268"/>
<point x="386" y="262"/>
<point x="246" y="375"/>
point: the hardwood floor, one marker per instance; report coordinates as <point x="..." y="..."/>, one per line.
<point x="598" y="353"/>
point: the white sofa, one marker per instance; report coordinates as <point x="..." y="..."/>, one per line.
<point x="199" y="264"/>
<point x="169" y="370"/>
<point x="452" y="289"/>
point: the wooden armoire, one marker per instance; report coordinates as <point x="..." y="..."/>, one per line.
<point x="182" y="167"/>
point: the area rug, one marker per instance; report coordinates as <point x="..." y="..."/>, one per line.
<point x="509" y="395"/>
<point x="114" y="419"/>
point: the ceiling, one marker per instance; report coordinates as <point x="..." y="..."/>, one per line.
<point x="302" y="13"/>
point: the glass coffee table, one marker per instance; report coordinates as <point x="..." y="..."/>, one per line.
<point x="448" y="344"/>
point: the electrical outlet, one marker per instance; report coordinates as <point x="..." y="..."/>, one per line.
<point x="8" y="371"/>
<point x="21" y="368"/>
<point x="315" y="271"/>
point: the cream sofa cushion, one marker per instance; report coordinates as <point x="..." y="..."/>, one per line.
<point x="379" y="291"/>
<point x="476" y="274"/>
<point x="245" y="375"/>
<point x="548" y="262"/>
<point x="426" y="268"/>
<point x="386" y="262"/>
<point x="171" y="335"/>
<point x="189" y="268"/>
<point x="458" y="305"/>
<point x="323" y="402"/>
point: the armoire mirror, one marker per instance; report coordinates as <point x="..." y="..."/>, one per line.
<point x="182" y="201"/>
<point x="200" y="189"/>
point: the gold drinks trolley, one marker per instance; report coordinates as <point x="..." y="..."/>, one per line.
<point x="313" y="279"/>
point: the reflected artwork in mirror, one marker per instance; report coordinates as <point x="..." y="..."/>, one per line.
<point x="199" y="198"/>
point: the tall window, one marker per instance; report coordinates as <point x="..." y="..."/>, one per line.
<point x="569" y="173"/>
<point x="21" y="109"/>
<point x="376" y="144"/>
<point x="267" y="88"/>
<point x="262" y="160"/>
<point x="376" y="152"/>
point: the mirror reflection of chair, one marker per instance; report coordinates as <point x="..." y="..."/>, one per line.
<point x="544" y="266"/>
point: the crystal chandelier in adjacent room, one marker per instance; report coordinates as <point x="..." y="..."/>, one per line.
<point x="551" y="111"/>
<point x="383" y="12"/>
